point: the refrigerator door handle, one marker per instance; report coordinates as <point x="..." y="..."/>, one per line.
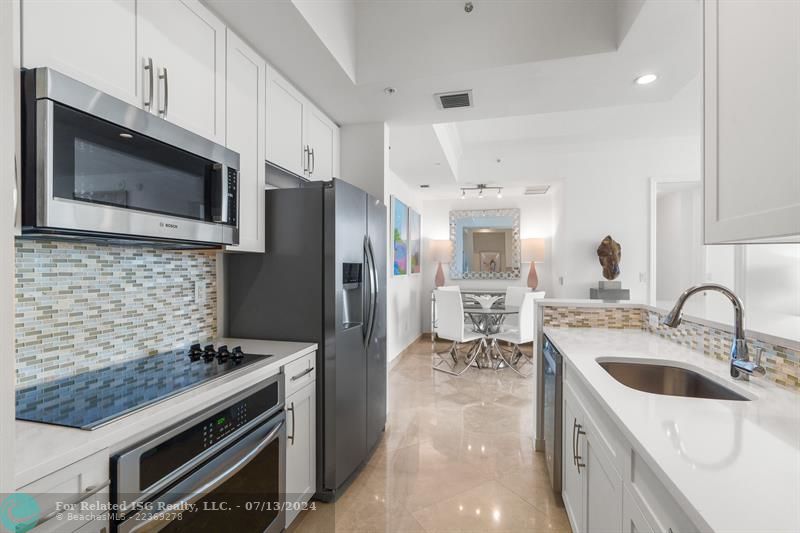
<point x="366" y="327"/>
<point x="373" y="289"/>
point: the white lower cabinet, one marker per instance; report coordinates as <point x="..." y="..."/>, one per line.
<point x="633" y="520"/>
<point x="573" y="480"/>
<point x="592" y="487"/>
<point x="607" y="485"/>
<point x="301" y="470"/>
<point x="84" y="481"/>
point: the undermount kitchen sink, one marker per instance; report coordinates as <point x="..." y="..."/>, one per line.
<point x="668" y="380"/>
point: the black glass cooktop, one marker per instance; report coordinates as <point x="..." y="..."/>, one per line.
<point x="92" y="399"/>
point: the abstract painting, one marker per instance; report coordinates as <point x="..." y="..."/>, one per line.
<point x="399" y="237"/>
<point x="414" y="241"/>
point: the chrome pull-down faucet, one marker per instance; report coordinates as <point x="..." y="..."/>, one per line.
<point x="741" y="366"/>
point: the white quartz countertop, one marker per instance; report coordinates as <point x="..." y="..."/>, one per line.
<point x="732" y="465"/>
<point x="42" y="448"/>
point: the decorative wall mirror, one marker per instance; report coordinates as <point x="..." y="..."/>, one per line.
<point x="485" y="244"/>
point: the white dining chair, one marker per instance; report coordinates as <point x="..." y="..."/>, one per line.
<point x="451" y="327"/>
<point x="514" y="295"/>
<point x="524" y="333"/>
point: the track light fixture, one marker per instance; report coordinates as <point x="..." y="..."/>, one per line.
<point x="480" y="188"/>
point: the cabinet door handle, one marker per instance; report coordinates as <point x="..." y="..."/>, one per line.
<point x="303" y="373"/>
<point x="291" y="410"/>
<point x="164" y="76"/>
<point x="313" y="162"/>
<point x="305" y="158"/>
<point x="148" y="69"/>
<point x="574" y="449"/>
<point x="578" y="458"/>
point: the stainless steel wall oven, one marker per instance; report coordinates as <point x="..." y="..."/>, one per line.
<point x="223" y="470"/>
<point x="95" y="166"/>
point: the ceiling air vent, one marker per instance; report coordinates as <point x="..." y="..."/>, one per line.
<point x="537" y="189"/>
<point x="454" y="99"/>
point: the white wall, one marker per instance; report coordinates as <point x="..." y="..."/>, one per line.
<point x="364" y="156"/>
<point x="536" y="221"/>
<point x="405" y="293"/>
<point x="606" y="191"/>
<point x="679" y="247"/>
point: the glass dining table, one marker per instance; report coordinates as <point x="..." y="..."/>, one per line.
<point x="488" y="321"/>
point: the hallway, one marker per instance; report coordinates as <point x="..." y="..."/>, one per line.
<point x="457" y="456"/>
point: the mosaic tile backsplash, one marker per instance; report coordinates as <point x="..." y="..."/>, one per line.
<point x="782" y="363"/>
<point x="594" y="317"/>
<point x="81" y="306"/>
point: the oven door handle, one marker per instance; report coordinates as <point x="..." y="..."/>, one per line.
<point x="220" y="479"/>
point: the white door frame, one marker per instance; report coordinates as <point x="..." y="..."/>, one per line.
<point x="740" y="251"/>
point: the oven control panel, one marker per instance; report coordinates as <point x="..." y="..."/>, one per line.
<point x="224" y="423"/>
<point x="158" y="460"/>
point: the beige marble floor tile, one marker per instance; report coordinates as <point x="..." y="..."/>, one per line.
<point x="488" y="507"/>
<point x="451" y="442"/>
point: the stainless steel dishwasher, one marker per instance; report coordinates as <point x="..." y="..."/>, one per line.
<point x="553" y="397"/>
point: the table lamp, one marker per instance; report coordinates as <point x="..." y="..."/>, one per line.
<point x="442" y="252"/>
<point x="533" y="252"/>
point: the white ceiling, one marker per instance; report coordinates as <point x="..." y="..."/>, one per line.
<point x="543" y="73"/>
<point x="575" y="54"/>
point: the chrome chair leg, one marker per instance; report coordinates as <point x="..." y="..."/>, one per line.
<point x="471" y="354"/>
<point x="508" y="362"/>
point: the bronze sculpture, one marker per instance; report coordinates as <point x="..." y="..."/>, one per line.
<point x="610" y="254"/>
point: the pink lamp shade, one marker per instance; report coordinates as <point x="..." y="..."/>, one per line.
<point x="533" y="251"/>
<point x="441" y="251"/>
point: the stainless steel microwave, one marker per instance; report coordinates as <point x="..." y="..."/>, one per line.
<point x="97" y="167"/>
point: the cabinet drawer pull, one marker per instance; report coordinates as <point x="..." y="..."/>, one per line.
<point x="89" y="491"/>
<point x="303" y="373"/>
<point x="291" y="410"/>
<point x="305" y="158"/>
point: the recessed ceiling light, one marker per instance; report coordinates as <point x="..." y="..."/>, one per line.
<point x="646" y="79"/>
<point x="126" y="135"/>
<point x="389" y="91"/>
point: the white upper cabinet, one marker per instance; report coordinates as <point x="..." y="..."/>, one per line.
<point x="165" y="56"/>
<point x="246" y="128"/>
<point x="94" y="42"/>
<point x="752" y="121"/>
<point x="285" y="126"/>
<point x="187" y="45"/>
<point x="323" y="139"/>
<point x="300" y="138"/>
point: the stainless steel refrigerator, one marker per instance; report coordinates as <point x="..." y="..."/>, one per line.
<point x="323" y="279"/>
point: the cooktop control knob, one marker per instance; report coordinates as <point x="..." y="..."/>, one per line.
<point x="237" y="355"/>
<point x="209" y="353"/>
<point x="195" y="352"/>
<point x="223" y="354"/>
